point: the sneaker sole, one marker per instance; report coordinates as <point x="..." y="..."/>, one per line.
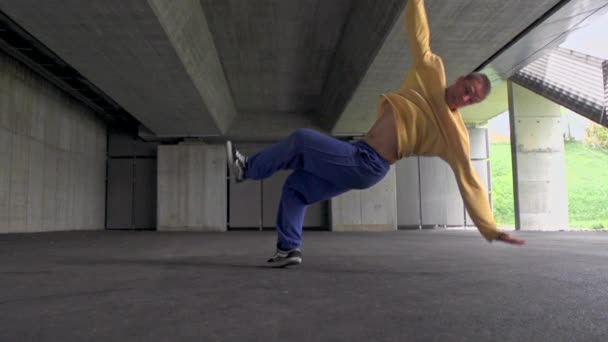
<point x="287" y="262"/>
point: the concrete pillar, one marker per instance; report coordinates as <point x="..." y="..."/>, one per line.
<point x="192" y="191"/>
<point x="373" y="209"/>
<point x="480" y="157"/>
<point x="540" y="190"/>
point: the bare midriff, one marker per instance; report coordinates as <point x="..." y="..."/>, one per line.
<point x="383" y="134"/>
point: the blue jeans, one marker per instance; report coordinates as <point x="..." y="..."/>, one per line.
<point x="323" y="167"/>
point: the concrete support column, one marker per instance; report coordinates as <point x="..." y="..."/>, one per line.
<point x="192" y="192"/>
<point x="539" y="171"/>
<point x="373" y="209"/>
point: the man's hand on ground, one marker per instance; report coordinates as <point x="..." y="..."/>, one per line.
<point x="506" y="238"/>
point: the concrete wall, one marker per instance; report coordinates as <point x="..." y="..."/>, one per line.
<point x="440" y="198"/>
<point x="52" y="157"/>
<point x="192" y="187"/>
<point x="255" y="203"/>
<point x="131" y="184"/>
<point x="408" y="192"/>
<point x="541" y="194"/>
<point x="427" y="192"/>
<point x="373" y="209"/>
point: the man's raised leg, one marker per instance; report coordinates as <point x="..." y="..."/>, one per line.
<point x="303" y="149"/>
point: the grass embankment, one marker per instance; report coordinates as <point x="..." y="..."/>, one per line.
<point x="587" y="176"/>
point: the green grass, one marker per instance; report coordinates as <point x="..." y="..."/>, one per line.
<point x="587" y="173"/>
<point x="587" y="176"/>
<point x="502" y="184"/>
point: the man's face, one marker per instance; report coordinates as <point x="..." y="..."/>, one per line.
<point x="465" y="92"/>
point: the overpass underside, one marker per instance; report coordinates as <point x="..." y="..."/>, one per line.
<point x="256" y="70"/>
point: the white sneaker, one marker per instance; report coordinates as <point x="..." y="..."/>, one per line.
<point x="236" y="161"/>
<point x="286" y="258"/>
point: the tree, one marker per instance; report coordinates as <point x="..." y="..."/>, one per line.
<point x="597" y="136"/>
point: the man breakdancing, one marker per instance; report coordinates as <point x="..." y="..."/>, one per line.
<point x="422" y="118"/>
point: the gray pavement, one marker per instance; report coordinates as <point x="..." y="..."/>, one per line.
<point x="431" y="285"/>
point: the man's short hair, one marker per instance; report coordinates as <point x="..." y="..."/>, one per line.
<point x="485" y="81"/>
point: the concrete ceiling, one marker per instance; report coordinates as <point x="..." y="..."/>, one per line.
<point x="276" y="54"/>
<point x="258" y="69"/>
<point x="137" y="57"/>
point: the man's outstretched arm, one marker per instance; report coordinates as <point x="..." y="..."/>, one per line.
<point x="417" y="26"/>
<point x="476" y="201"/>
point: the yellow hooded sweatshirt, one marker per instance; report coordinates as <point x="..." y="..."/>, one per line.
<point x="426" y="126"/>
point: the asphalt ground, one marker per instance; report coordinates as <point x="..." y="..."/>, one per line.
<point x="430" y="285"/>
